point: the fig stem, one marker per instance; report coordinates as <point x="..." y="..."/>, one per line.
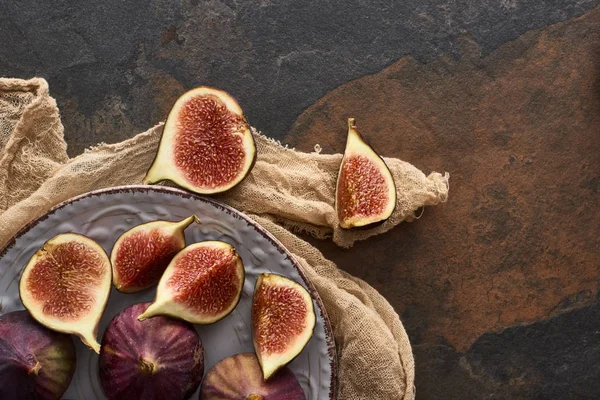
<point x="89" y="339"/>
<point x="150" y="311"/>
<point x="184" y="223"/>
<point x="36" y="368"/>
<point x="351" y="123"/>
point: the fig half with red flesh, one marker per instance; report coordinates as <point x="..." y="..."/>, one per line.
<point x="365" y="193"/>
<point x="206" y="145"/>
<point x="35" y="362"/>
<point x="141" y="255"/>
<point x="65" y="286"/>
<point x="201" y="285"/>
<point x="158" y="359"/>
<point x="239" y="377"/>
<point x="283" y="320"/>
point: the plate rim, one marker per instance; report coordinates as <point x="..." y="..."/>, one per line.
<point x="329" y="337"/>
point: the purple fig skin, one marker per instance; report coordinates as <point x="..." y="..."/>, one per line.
<point x="157" y="359"/>
<point x="240" y="377"/>
<point x="35" y="362"/>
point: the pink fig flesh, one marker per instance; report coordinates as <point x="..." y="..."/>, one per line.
<point x="158" y="359"/>
<point x="240" y="377"/>
<point x="35" y="362"/>
<point x="361" y="188"/>
<point x="192" y="158"/>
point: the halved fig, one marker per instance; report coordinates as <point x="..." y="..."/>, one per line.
<point x="206" y="145"/>
<point x="158" y="359"/>
<point x="141" y="255"/>
<point x="35" y="362"/>
<point x="283" y="320"/>
<point x="240" y="377"/>
<point x="365" y="192"/>
<point x="202" y="284"/>
<point x="65" y="286"/>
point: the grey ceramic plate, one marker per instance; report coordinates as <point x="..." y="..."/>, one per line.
<point x="103" y="215"/>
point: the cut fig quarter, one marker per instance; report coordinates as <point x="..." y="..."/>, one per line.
<point x="65" y="286"/>
<point x="141" y="254"/>
<point x="365" y="191"/>
<point x="283" y="320"/>
<point x="206" y="145"/>
<point x="201" y="285"/>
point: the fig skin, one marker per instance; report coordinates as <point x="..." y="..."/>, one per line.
<point x="36" y="363"/>
<point x="283" y="320"/>
<point x="240" y="377"/>
<point x="158" y="359"/>
<point x="70" y="274"/>
<point x="140" y="255"/>
<point x="357" y="146"/>
<point x="199" y="274"/>
<point x="164" y="166"/>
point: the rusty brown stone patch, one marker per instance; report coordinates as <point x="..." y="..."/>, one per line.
<point x="519" y="132"/>
<point x="170" y="35"/>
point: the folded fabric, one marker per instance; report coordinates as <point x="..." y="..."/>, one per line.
<point x="286" y="192"/>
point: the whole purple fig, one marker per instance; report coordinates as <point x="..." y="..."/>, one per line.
<point x="240" y="377"/>
<point x="35" y="362"/>
<point x="158" y="358"/>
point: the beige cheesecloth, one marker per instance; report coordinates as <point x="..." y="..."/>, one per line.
<point x="287" y="191"/>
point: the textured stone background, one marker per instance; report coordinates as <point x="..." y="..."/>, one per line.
<point x="498" y="288"/>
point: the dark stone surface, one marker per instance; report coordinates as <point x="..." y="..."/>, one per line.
<point x="554" y="359"/>
<point x="498" y="287"/>
<point x="116" y="66"/>
<point x="519" y="131"/>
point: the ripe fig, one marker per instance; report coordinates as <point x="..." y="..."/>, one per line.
<point x="35" y="362"/>
<point x="158" y="359"/>
<point x="65" y="286"/>
<point x="202" y="284"/>
<point x="239" y="377"/>
<point x="283" y="320"/>
<point x="206" y="145"/>
<point x="365" y="192"/>
<point x="141" y="255"/>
